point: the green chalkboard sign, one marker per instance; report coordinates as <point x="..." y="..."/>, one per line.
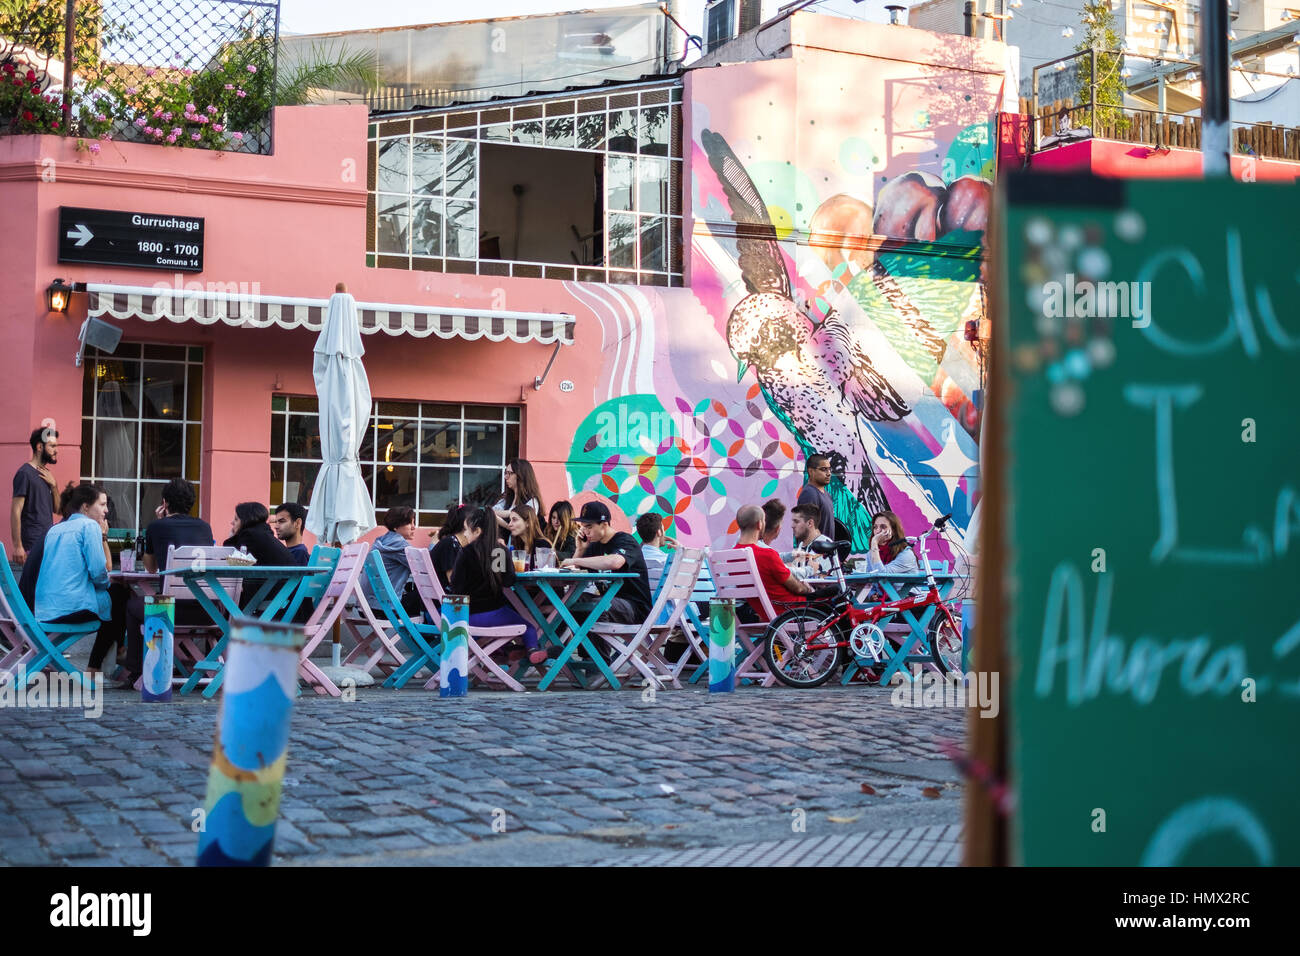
<point x="1150" y="427"/>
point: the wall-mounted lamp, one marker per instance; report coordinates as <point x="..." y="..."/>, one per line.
<point x="57" y="296"/>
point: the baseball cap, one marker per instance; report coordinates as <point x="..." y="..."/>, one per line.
<point x="593" y="512"/>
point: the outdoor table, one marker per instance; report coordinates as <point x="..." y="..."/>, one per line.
<point x="893" y="585"/>
<point x="576" y="583"/>
<point x="277" y="587"/>
<point x="142" y="582"/>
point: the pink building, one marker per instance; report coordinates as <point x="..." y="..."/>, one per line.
<point x="664" y="293"/>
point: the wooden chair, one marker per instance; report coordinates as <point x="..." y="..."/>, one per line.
<point x="483" y="641"/>
<point x="417" y="636"/>
<point x="313" y="588"/>
<point x="641" y="645"/>
<point x="330" y="608"/>
<point x="41" y="645"/>
<point x="187" y="637"/>
<point x="735" y="575"/>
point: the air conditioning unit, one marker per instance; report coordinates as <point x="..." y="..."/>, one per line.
<point x="727" y="19"/>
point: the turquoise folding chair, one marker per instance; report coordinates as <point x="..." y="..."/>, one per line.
<point x="313" y="588"/>
<point x="416" y="636"/>
<point x="47" y="644"/>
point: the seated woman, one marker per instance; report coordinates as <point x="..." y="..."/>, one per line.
<point x="561" y="531"/>
<point x="72" y="587"/>
<point x="889" y="552"/>
<point x="521" y="489"/>
<point x="477" y="577"/>
<point x="525" y="532"/>
<point x="451" y="538"/>
<point x="400" y="522"/>
<point x="248" y="529"/>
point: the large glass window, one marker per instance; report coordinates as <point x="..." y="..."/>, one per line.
<point x="142" y="425"/>
<point x="458" y="190"/>
<point x="425" y="455"/>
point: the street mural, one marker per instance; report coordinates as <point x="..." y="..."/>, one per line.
<point x="827" y="313"/>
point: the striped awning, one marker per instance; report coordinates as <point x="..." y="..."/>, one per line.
<point x="254" y="311"/>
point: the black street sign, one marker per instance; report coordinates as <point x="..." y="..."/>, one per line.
<point x="143" y="240"/>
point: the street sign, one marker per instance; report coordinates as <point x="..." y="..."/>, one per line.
<point x="141" y="240"/>
<point x="1145" y="531"/>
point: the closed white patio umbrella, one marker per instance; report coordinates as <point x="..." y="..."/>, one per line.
<point x="341" y="510"/>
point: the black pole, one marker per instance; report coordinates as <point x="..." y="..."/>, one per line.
<point x="69" y="29"/>
<point x="1215" y="128"/>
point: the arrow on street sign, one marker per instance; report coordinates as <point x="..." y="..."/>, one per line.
<point x="82" y="234"/>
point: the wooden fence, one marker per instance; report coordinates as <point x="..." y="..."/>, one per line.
<point x="1153" y="128"/>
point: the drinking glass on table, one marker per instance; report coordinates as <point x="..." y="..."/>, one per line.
<point x="521" y="561"/>
<point x="545" y="559"/>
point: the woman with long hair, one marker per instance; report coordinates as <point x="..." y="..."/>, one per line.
<point x="451" y="538"/>
<point x="483" y="573"/>
<point x="72" y="586"/>
<point x="521" y="489"/>
<point x="248" y="529"/>
<point x="561" y="530"/>
<point x="525" y="532"/>
<point x="889" y="551"/>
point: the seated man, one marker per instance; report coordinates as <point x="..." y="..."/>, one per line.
<point x="601" y="548"/>
<point x="289" y="520"/>
<point x="174" y="526"/>
<point x="782" y="587"/>
<point x="650" y="529"/>
<point x="804" y="564"/>
<point x="773" y="515"/>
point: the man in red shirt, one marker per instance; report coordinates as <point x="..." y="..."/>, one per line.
<point x="782" y="587"/>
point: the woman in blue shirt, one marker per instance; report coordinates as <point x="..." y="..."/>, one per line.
<point x="73" y="583"/>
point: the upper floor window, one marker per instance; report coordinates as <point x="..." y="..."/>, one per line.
<point x="586" y="188"/>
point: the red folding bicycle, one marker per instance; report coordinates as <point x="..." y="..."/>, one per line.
<point x="805" y="646"/>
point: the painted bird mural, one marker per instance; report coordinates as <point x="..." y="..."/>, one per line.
<point x="814" y="375"/>
<point x="157" y="673"/>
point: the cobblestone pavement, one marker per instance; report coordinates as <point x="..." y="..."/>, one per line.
<point x="775" y="776"/>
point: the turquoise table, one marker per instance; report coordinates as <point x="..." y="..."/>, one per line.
<point x="575" y="583"/>
<point x="276" y="587"/>
<point x="894" y="586"/>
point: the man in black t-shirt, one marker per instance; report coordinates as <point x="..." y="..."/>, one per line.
<point x="32" y="511"/>
<point x="173" y="526"/>
<point x="601" y="548"/>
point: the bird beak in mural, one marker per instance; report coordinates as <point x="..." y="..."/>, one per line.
<point x="740" y="372"/>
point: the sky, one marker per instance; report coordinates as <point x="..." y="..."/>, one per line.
<point x="324" y="16"/>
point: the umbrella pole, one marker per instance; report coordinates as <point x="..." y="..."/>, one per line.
<point x="336" y="647"/>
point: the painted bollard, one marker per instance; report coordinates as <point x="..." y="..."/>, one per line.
<point x="722" y="646"/>
<point x="252" y="744"/>
<point x="453" y="672"/>
<point x="159" y="648"/>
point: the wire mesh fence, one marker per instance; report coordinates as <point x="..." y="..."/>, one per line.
<point x="195" y="73"/>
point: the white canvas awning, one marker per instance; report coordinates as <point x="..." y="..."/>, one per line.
<point x="249" y="311"/>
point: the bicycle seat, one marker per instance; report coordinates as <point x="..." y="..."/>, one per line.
<point x="831" y="547"/>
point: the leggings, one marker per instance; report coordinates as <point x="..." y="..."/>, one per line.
<point x="114" y="629"/>
<point x="505" y="616"/>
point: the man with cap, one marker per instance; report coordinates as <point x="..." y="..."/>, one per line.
<point x="601" y="548"/>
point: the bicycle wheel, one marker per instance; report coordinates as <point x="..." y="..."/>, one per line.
<point x="785" y="647"/>
<point x="945" y="644"/>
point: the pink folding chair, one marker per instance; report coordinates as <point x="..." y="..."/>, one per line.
<point x="188" y="636"/>
<point x="641" y="645"/>
<point x="483" y="641"/>
<point x="330" y="609"/>
<point x="735" y="575"/>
